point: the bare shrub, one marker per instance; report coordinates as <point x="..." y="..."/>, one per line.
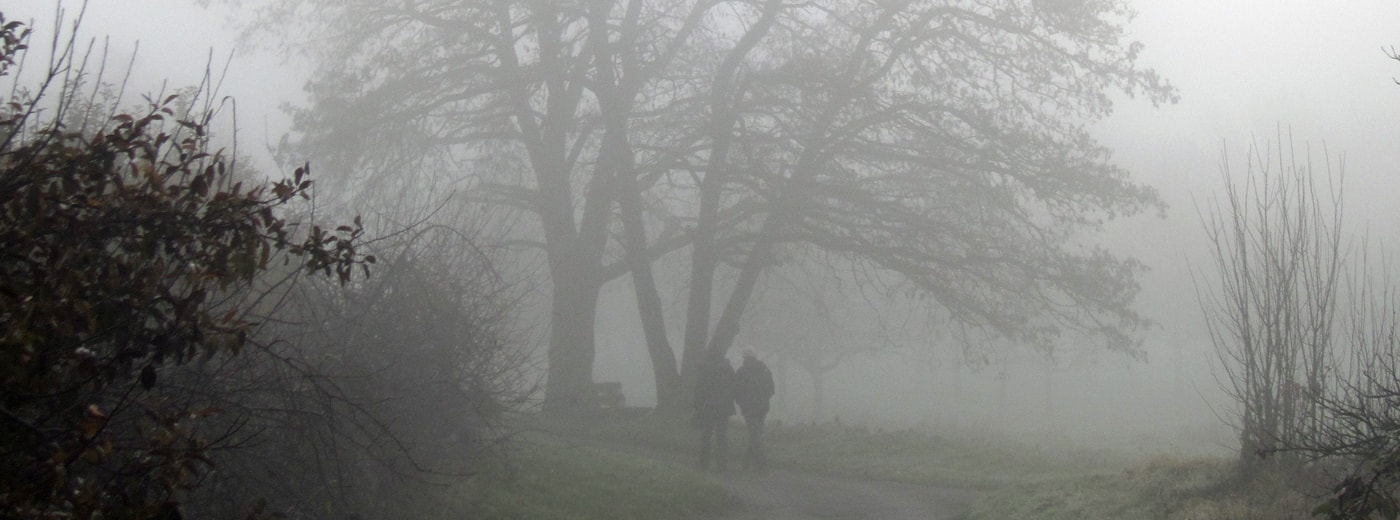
<point x="1278" y="252"/>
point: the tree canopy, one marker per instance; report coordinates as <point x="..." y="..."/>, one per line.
<point x="940" y="146"/>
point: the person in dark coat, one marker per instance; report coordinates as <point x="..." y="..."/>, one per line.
<point x="714" y="404"/>
<point x="753" y="389"/>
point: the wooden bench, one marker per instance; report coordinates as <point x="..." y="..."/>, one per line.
<point x="608" y="395"/>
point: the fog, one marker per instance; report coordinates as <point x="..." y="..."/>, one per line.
<point x="1247" y="71"/>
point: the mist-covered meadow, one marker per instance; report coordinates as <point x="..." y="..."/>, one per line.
<point x="1006" y="259"/>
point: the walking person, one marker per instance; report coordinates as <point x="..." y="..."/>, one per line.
<point x="714" y="404"/>
<point x="754" y="389"/>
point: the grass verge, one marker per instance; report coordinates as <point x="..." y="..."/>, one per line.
<point x="1018" y="480"/>
<point x="911" y="456"/>
<point x="920" y="457"/>
<point x="547" y="479"/>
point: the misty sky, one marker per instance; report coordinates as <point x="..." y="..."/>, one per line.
<point x="1245" y="68"/>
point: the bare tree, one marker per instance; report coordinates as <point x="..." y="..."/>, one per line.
<point x="936" y="146"/>
<point x="1278" y="254"/>
<point x="1360" y="428"/>
<point x="942" y="142"/>
<point x="534" y="98"/>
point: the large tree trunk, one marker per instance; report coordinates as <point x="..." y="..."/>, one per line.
<point x="649" y="306"/>
<point x="573" y="243"/>
<point x="575" y="272"/>
<point x="704" y="253"/>
<point x="618" y="162"/>
<point x="569" y="388"/>
<point x="669" y="396"/>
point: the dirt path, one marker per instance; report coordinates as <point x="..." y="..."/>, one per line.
<point x="787" y="495"/>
